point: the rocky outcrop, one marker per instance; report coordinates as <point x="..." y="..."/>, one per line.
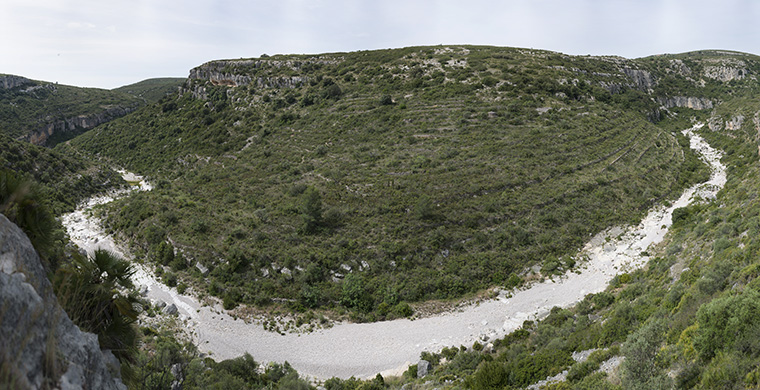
<point x="10" y="81"/>
<point x="77" y="123"/>
<point x="725" y="73"/>
<point x="423" y="368"/>
<point x="239" y="73"/>
<point x="678" y="67"/>
<point x="735" y="123"/>
<point x="41" y="347"/>
<point x="692" y="102"/>
<point x="641" y="78"/>
<point x="716" y="123"/>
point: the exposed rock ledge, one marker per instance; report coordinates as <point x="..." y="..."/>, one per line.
<point x="10" y="81"/>
<point x="686" y="101"/>
<point x="41" y="347"/>
<point x="81" y="122"/>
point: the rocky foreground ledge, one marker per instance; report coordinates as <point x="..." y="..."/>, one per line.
<point x="39" y="345"/>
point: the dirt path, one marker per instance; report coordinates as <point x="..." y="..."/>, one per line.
<point x="363" y="350"/>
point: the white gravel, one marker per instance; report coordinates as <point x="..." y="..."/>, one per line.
<point x="363" y="350"/>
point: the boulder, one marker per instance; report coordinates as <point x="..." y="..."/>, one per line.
<point x="171" y="309"/>
<point x="41" y="346"/>
<point x="423" y="368"/>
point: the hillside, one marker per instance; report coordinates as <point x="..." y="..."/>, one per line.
<point x="356" y="182"/>
<point x="66" y="178"/>
<point x="152" y="90"/>
<point x="364" y="180"/>
<point x="47" y="113"/>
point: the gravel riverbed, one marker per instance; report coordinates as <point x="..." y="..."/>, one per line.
<point x="363" y="350"/>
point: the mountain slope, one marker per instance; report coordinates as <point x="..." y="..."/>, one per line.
<point x="152" y="90"/>
<point x="47" y="113"/>
<point x="362" y="180"/>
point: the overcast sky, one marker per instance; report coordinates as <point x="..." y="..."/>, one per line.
<point x="109" y="43"/>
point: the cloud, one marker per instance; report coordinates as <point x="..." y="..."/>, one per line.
<point x="80" y="26"/>
<point x="123" y="41"/>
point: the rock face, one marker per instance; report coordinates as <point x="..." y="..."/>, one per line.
<point x="641" y="78"/>
<point x="725" y="73"/>
<point x="686" y="101"/>
<point x="735" y="123"/>
<point x="41" y="347"/>
<point x="237" y="73"/>
<point x="81" y="122"/>
<point x="10" y="81"/>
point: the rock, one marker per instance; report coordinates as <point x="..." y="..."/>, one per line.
<point x="143" y="290"/>
<point x="423" y="368"/>
<point x="171" y="309"/>
<point x="201" y="268"/>
<point x="160" y="304"/>
<point x="641" y="78"/>
<point x="735" y="123"/>
<point x="41" y="346"/>
<point x="694" y="103"/>
<point x="724" y="73"/>
<point x="77" y="123"/>
<point x="10" y="81"/>
<point x="176" y="371"/>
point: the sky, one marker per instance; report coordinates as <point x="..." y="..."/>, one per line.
<point x="110" y="43"/>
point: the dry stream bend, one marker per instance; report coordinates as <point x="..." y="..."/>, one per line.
<point x="363" y="350"/>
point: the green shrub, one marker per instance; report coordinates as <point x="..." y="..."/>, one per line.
<point x="402" y="309"/>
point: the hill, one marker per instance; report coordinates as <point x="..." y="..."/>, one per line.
<point x="152" y="90"/>
<point x="364" y="180"/>
<point x="66" y="178"/>
<point x="47" y="113"/>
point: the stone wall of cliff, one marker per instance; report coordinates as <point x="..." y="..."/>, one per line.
<point x="10" y="81"/>
<point x="692" y="102"/>
<point x="40" y="347"/>
<point x="79" y="123"/>
<point x="237" y="73"/>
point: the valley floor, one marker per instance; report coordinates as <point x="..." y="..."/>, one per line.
<point x="363" y="350"/>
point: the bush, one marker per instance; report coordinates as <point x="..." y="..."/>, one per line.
<point x="402" y="309"/>
<point x="424" y="208"/>
<point x="640" y="369"/>
<point x="170" y="279"/>
<point x="725" y="320"/>
<point x="491" y="375"/>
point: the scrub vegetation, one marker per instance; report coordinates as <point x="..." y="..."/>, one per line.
<point x="414" y="174"/>
<point x="362" y="182"/>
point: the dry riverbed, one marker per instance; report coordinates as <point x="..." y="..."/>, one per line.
<point x="363" y="350"/>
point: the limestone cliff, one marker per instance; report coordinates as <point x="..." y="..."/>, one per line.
<point x="641" y="78"/>
<point x="237" y="73"/>
<point x="41" y="347"/>
<point x="78" y="123"/>
<point x="10" y="81"/>
<point x="692" y="102"/>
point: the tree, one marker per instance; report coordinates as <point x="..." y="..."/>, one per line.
<point x="640" y="369"/>
<point x="355" y="295"/>
<point x="311" y="210"/>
